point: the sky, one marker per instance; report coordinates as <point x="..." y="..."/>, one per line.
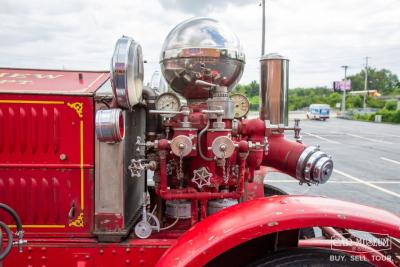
<point x="318" y="36"/>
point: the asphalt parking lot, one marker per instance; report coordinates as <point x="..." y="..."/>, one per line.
<point x="366" y="162"/>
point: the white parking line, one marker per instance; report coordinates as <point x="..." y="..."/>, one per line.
<point x="369" y="139"/>
<point x="322" y="138"/>
<point x="335" y="182"/>
<point x="390" y="160"/>
<point x="367" y="183"/>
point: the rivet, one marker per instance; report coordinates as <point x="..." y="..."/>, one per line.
<point x="29" y="249"/>
<point x="128" y="262"/>
<point x="128" y="250"/>
<point x="63" y="157"/>
<point x="141" y="250"/>
<point x="75" y="256"/>
<point x="43" y="249"/>
<point x="141" y="262"/>
<point x="113" y="251"/>
<point x="43" y="258"/>
<point x="273" y="224"/>
<point x="101" y="251"/>
<point x="29" y="258"/>
<point x="87" y="257"/>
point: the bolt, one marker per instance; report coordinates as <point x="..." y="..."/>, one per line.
<point x="222" y="147"/>
<point x="63" y="157"/>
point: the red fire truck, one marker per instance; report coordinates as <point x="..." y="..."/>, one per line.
<point x="98" y="170"/>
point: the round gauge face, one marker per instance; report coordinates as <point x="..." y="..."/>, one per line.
<point x="168" y="102"/>
<point x="241" y="105"/>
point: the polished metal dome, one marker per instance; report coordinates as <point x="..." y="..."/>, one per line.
<point x="201" y="49"/>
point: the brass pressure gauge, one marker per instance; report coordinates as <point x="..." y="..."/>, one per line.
<point x="241" y="105"/>
<point x="168" y="102"/>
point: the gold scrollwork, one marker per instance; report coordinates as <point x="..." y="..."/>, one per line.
<point x="78" y="106"/>
<point x="78" y="222"/>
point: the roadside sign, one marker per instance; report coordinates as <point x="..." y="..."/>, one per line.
<point x="342" y="85"/>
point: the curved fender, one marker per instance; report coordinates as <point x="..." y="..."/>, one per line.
<point x="248" y="220"/>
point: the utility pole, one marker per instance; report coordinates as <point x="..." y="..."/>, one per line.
<point x="263" y="28"/>
<point x="366" y="83"/>
<point x="344" y="90"/>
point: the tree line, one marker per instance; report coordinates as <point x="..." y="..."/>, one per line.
<point x="384" y="81"/>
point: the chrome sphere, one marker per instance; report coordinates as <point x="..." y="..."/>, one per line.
<point x="201" y="49"/>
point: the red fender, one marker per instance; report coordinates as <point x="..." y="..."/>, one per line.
<point x="248" y="220"/>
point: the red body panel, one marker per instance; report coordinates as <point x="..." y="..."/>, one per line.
<point x="89" y="253"/>
<point x="248" y="220"/>
<point x="39" y="129"/>
<point x="214" y="235"/>
<point x="23" y="81"/>
<point x="47" y="161"/>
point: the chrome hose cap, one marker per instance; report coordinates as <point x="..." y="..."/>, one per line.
<point x="314" y="166"/>
<point x="323" y="170"/>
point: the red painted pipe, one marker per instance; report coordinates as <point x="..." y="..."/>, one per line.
<point x="283" y="154"/>
<point x="163" y="170"/>
<point x="191" y="193"/>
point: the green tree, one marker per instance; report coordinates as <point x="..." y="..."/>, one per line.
<point x="391" y="105"/>
<point x="375" y="103"/>
<point x="334" y="98"/>
<point x="382" y="80"/>
<point x="249" y="90"/>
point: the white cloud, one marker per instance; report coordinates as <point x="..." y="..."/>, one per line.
<point x="317" y="36"/>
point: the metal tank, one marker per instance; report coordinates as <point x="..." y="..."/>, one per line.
<point x="274" y="89"/>
<point x="201" y="49"/>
